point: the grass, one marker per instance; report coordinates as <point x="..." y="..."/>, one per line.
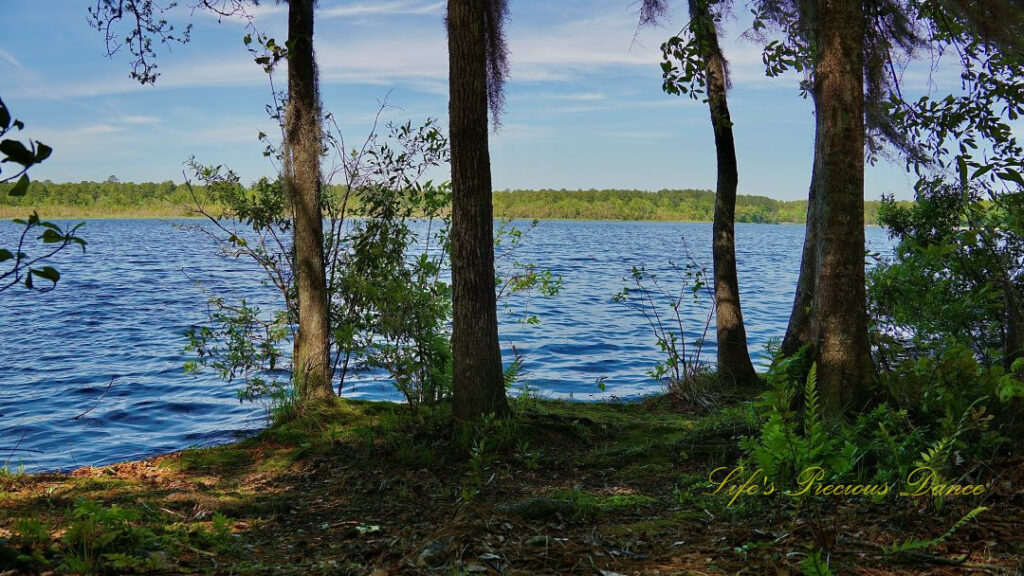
<point x="355" y="487"/>
<point x="62" y="212"/>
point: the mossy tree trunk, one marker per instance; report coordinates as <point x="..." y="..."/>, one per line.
<point x="478" y="385"/>
<point x="303" y="147"/>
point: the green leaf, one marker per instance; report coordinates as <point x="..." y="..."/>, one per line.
<point x="962" y="165"/>
<point x="1017" y="366"/>
<point x="5" y="255"/>
<point x="1012" y="175"/>
<point x="47" y="272"/>
<point x="51" y="237"/>
<point x="980" y="171"/>
<point x="21" y="187"/>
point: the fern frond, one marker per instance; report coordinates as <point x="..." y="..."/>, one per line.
<point x="815" y="565"/>
<point x="918" y="544"/>
<point x="936" y="452"/>
<point x="812" y="421"/>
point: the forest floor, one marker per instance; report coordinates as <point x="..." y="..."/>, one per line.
<point x="565" y="488"/>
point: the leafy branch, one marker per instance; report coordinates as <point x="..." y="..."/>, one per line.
<point x="18" y="266"/>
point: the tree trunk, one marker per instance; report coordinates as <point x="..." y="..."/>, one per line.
<point x="302" y="150"/>
<point x="798" y="333"/>
<point x="1014" y="345"/>
<point x="733" y="356"/>
<point x="478" y="385"/>
<point x="839" y="324"/>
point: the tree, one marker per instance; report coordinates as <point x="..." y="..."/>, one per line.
<point x="301" y="153"/>
<point x="891" y="31"/>
<point x="704" y="69"/>
<point x="978" y="195"/>
<point x="839" y="322"/>
<point x="303" y="147"/>
<point x="955" y="277"/>
<point x="798" y="330"/>
<point x="477" y="65"/>
<point x="838" y="60"/>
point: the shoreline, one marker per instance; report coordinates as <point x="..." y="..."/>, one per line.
<point x="61" y="214"/>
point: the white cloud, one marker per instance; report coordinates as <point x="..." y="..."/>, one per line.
<point x="138" y="119"/>
<point x="94" y="129"/>
<point x="378" y="7"/>
<point x="412" y="53"/>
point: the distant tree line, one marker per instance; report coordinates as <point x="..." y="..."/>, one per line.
<point x="665" y="205"/>
<point x="85" y="199"/>
<point x="99" y="198"/>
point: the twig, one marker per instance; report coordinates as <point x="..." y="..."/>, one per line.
<point x="15" y="449"/>
<point x="112" y="378"/>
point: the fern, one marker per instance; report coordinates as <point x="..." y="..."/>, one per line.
<point x="815" y="565"/>
<point x="813" y="427"/>
<point x="918" y="544"/>
<point x="937" y="453"/>
<point x="791" y="442"/>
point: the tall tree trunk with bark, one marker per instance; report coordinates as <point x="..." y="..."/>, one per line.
<point x="798" y="332"/>
<point x="478" y="385"/>
<point x="302" y="149"/>
<point x="839" y="324"/>
<point x="1014" y="346"/>
<point x="733" y="356"/>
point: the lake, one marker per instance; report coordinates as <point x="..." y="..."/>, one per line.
<point x="122" y="308"/>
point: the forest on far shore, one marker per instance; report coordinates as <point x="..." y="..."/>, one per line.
<point x="116" y="199"/>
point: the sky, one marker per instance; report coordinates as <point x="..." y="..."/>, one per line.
<point x="584" y="105"/>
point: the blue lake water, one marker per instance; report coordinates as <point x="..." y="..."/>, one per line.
<point x="122" y="308"/>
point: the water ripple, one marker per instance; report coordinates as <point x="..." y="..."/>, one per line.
<point x="123" y="307"/>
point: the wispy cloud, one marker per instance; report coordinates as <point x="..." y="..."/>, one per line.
<point x="138" y="119"/>
<point x="510" y="132"/>
<point x="267" y="13"/>
<point x="212" y="72"/>
<point x="640" y="134"/>
<point x="7" y="57"/>
<point x="373" y="8"/>
<point x="412" y="53"/>
<point x="579" y="96"/>
<point x="95" y="129"/>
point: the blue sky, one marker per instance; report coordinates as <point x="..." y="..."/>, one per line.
<point x="584" y="102"/>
